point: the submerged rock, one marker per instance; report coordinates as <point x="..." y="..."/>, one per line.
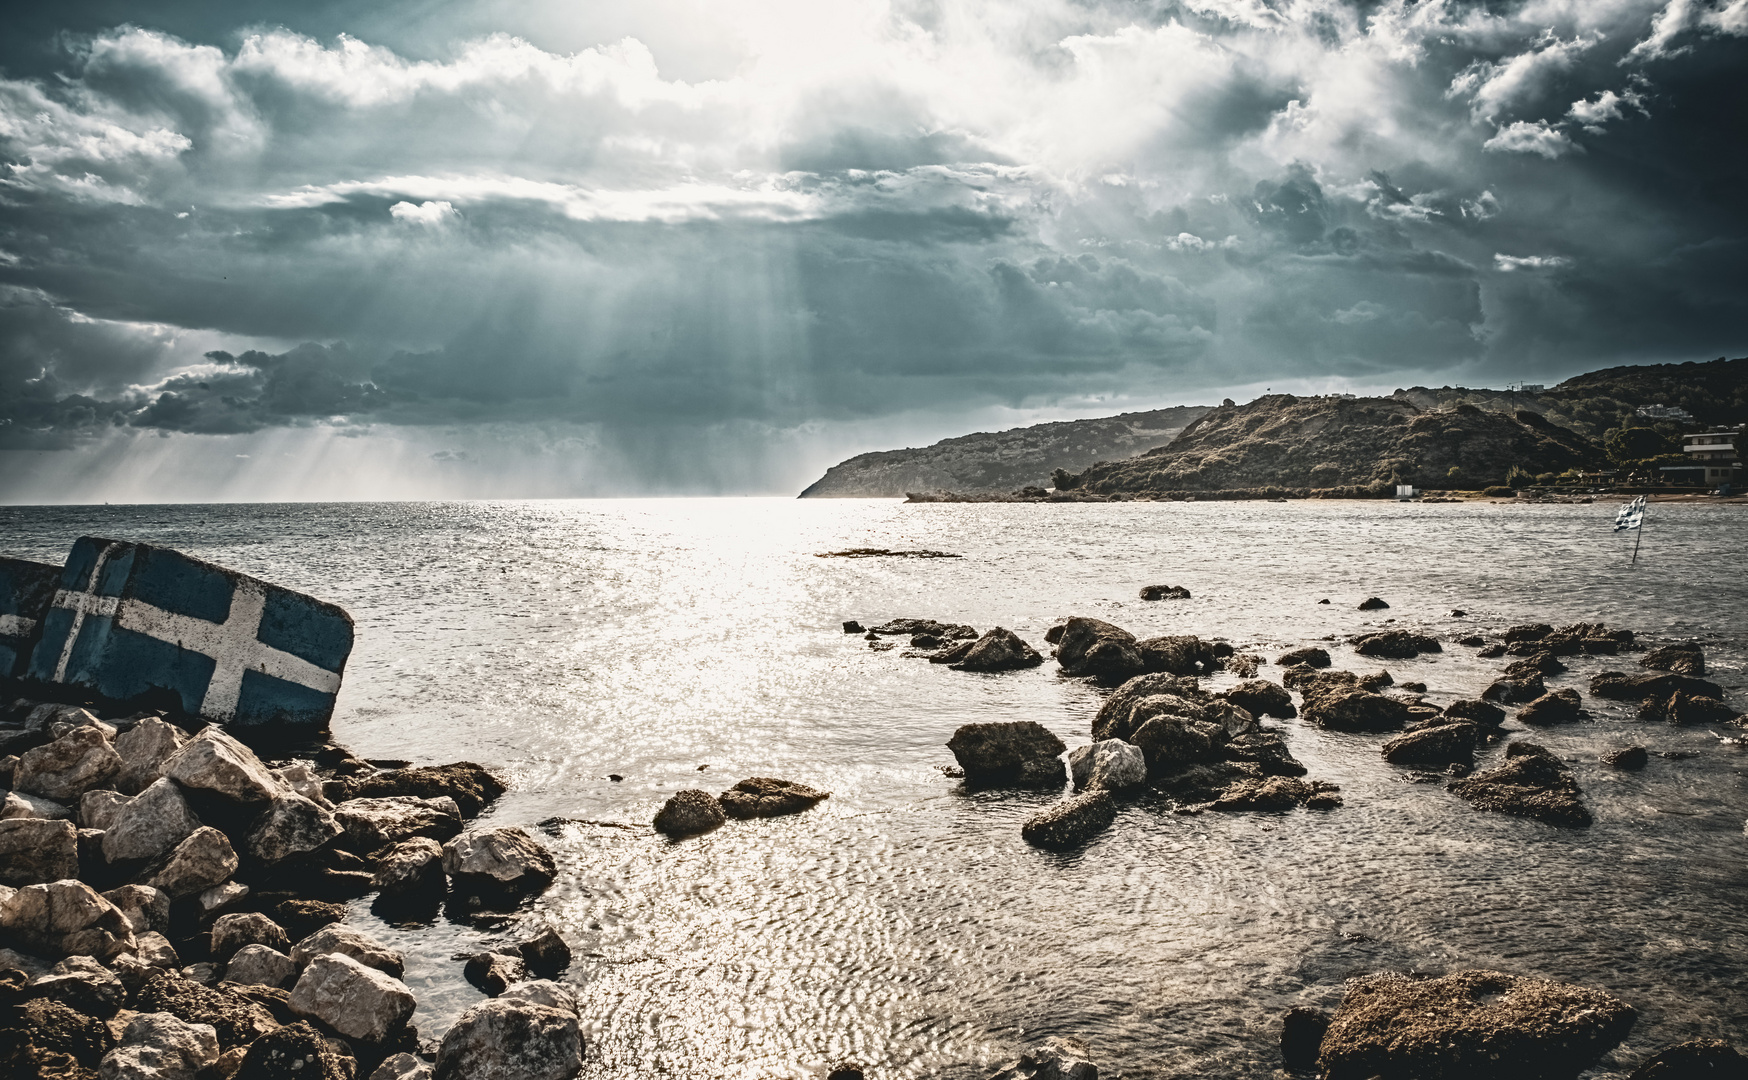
<point x="1680" y="708"/>
<point x="1627" y="757"/>
<point x="1516" y="691"/>
<point x="1396" y="644"/>
<point x="1337" y="704"/>
<point x="1071" y="822"/>
<point x="1310" y="656"/>
<point x="1164" y="592"/>
<point x="1302" y="1033"/>
<point x="1693" y="1060"/>
<point x="999" y="650"/>
<point x="1056" y="1058"/>
<point x="1483" y="713"/>
<point x="545" y="953"/>
<point x="689" y="812"/>
<point x="1109" y="765"/>
<point x="1532" y="783"/>
<point x="472" y="786"/>
<point x="1276" y="793"/>
<point x="1556" y="707"/>
<point x="1019" y="752"/>
<point x="1372" y="603"/>
<point x="1469" y="1024"/>
<point x="1620" y="686"/>
<point x="1180" y="654"/>
<point x="1267" y="750"/>
<point x="1259" y="697"/>
<point x="494" y="972"/>
<point x="764" y="796"/>
<point x="1439" y="744"/>
<point x="1683" y="658"/>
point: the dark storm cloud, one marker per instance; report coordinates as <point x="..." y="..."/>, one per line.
<point x="222" y="220"/>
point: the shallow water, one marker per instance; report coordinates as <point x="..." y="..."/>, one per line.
<point x="903" y="923"/>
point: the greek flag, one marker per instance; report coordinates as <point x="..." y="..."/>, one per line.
<point x="1631" y="515"/>
<point x="147" y="625"/>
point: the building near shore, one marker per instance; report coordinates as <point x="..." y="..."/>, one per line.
<point x="1712" y="458"/>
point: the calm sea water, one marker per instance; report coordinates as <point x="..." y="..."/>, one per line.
<point x="903" y="923"/>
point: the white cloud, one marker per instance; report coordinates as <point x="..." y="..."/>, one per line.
<point x="1732" y="18"/>
<point x="1525" y="137"/>
<point x="1666" y="26"/>
<point x="1511" y="263"/>
<point x="1593" y="115"/>
<point x="428" y="214"/>
<point x="1497" y="88"/>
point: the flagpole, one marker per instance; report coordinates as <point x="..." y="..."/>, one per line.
<point x="1639" y="536"/>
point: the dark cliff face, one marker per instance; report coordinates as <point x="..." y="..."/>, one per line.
<point x="1002" y="461"/>
<point x="1287" y="441"/>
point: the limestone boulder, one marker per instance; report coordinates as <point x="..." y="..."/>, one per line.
<point x="508" y="1039"/>
<point x="1532" y="783"/>
<point x="65" y="918"/>
<point x="34" y="850"/>
<point x="688" y="813"/>
<point x="402" y="1067"/>
<point x="998" y="650"/>
<point x="1067" y="824"/>
<point x="472" y="786"/>
<point x="552" y="995"/>
<point x="359" y="1002"/>
<point x="1438" y="744"/>
<point x="503" y="860"/>
<point x="155" y="951"/>
<point x="348" y="942"/>
<point x="159" y="1046"/>
<point x="1056" y="1058"/>
<point x="1109" y="765"/>
<point x="764" y="796"/>
<point x="232" y="932"/>
<point x="259" y="965"/>
<point x="81" y="983"/>
<point x="202" y="861"/>
<point x="1020" y="752"/>
<point x="99" y="808"/>
<point x="370" y="824"/>
<point x="1470" y="1023"/>
<point x="147" y="909"/>
<point x="65" y="769"/>
<point x="19" y="804"/>
<point x="151" y="824"/>
<point x="410" y="866"/>
<point x="292" y="825"/>
<point x="215" y="762"/>
<point x="144" y="748"/>
<point x="298" y="777"/>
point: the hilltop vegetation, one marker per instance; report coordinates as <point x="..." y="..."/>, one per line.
<point x="1002" y="461"/>
<point x="1331" y="442"/>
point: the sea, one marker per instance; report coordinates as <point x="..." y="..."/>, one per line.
<point x="603" y="655"/>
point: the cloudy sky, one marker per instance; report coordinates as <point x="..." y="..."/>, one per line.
<point x="264" y="249"/>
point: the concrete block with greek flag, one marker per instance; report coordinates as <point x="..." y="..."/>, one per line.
<point x="25" y="591"/>
<point x="133" y="623"/>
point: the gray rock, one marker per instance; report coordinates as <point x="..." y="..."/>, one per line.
<point x="205" y="859"/>
<point x="35" y="850"/>
<point x="1396" y="644"/>
<point x="98" y="809"/>
<point x="258" y="965"/>
<point x="232" y="932"/>
<point x="220" y="898"/>
<point x="1713" y="1059"/>
<point x="151" y="824"/>
<point x="1627" y="757"/>
<point x="345" y="941"/>
<point x="146" y="908"/>
<point x="18" y="804"/>
<point x="546" y="953"/>
<point x="1311" y="656"/>
<point x="357" y="1001"/>
<point x="500" y="859"/>
<point x="688" y="813"/>
<point x="65" y="769"/>
<point x="300" y="779"/>
<point x="494" y="972"/>
<point x="511" y="1040"/>
<point x="1269" y="794"/>
<point x="1124" y="711"/>
<point x="1337" y="707"/>
<point x="81" y="983"/>
<point x="402" y="1067"/>
<point x="374" y="823"/>
<point x="1683" y="658"/>
<point x="1439" y="744"/>
<point x="297" y="1052"/>
<point x="998" y="650"/>
<point x="1517" y="691"/>
<point x="765" y="796"/>
<point x="1019" y="752"/>
<point x="65" y="918"/>
<point x="1483" y="713"/>
<point x="213" y="761"/>
<point x="144" y="748"/>
<point x="155" y="951"/>
<point x="409" y="866"/>
<point x="72" y="717"/>
<point x="292" y="825"/>
<point x="1469" y="1023"/>
<point x="1555" y="707"/>
<point x="1055" y="1058"/>
<point x="552" y="995"/>
<point x="1097" y="648"/>
<point x="1532" y="783"/>
<point x="1109" y="765"/>
<point x="1164" y="592"/>
<point x="1071" y="822"/>
<point x="1179" y="654"/>
<point x="1259" y="697"/>
<point x="158" y="1046"/>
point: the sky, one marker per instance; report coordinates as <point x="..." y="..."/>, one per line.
<point x="471" y="248"/>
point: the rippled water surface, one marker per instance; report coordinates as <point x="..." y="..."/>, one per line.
<point x="903" y="923"/>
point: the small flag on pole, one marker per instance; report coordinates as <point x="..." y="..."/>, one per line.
<point x="1631" y="515"/>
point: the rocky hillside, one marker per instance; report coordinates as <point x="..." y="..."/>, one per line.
<point x="1004" y="460"/>
<point x="1329" y="442"/>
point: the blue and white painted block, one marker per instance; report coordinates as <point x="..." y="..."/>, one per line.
<point x="25" y="591"/>
<point x="136" y="623"/>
